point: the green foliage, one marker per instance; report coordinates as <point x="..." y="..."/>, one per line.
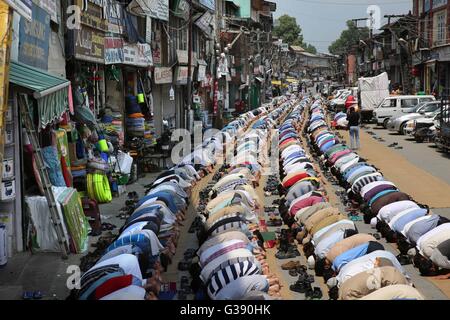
<point x="348" y="38"/>
<point x="310" y="48"/>
<point x="288" y="30"/>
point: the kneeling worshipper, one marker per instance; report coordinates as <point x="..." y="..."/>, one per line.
<point x="395" y="292"/>
<point x="369" y="281"/>
<point x="433" y="251"/>
<point x="117" y="278"/>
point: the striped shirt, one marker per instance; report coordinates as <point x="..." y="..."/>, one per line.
<point x="230" y="273"/>
<point x="365" y="180"/>
<point x="222" y="251"/>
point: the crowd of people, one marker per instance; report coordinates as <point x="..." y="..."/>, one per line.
<point x="231" y="260"/>
<point x="354" y="265"/>
<point x="232" y="257"/>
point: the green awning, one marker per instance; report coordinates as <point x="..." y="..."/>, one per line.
<point x="51" y="92"/>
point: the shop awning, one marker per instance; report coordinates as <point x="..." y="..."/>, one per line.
<point x="51" y="92"/>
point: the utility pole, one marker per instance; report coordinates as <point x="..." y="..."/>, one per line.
<point x="189" y="80"/>
<point x="405" y="82"/>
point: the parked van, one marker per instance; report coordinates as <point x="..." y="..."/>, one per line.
<point x="394" y="106"/>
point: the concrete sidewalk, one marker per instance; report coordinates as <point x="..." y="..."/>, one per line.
<point x="46" y="272"/>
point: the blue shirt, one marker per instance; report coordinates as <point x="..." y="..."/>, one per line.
<point x="164" y="196"/>
<point x="327" y="146"/>
<point x="324" y="246"/>
<point x="350" y="255"/>
<point x="407" y="218"/>
<point x="360" y="172"/>
<point x="379" y="195"/>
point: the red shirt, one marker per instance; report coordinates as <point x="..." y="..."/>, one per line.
<point x="289" y="183"/>
<point x="308" y="202"/>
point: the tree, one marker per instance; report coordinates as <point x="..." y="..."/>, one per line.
<point x="288" y="30"/>
<point x="310" y="48"/>
<point x="348" y="38"/>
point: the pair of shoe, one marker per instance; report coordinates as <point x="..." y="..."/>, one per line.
<point x="291" y="265"/>
<point x="314" y="294"/>
<point x="195" y="225"/>
<point x="300" y="287"/>
<point x="283" y="255"/>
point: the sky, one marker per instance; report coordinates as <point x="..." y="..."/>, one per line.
<point x="322" y="21"/>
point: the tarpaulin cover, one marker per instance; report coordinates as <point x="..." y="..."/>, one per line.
<point x="373" y="91"/>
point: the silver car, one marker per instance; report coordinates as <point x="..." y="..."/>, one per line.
<point x="399" y="124"/>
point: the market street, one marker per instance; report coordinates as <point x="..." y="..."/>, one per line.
<point x="196" y="151"/>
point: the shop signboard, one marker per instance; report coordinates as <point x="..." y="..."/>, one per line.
<point x="34" y="39"/>
<point x="139" y="54"/>
<point x="93" y="16"/>
<point x="181" y="75"/>
<point x="22" y="7"/>
<point x="113" y="50"/>
<point x="156" y="56"/>
<point x="182" y="9"/>
<point x="201" y="75"/>
<point x="204" y="23"/>
<point x="51" y="7"/>
<point x="89" y="45"/>
<point x="163" y="75"/>
<point x="157" y="9"/>
<point x="210" y="4"/>
<point x="115" y="18"/>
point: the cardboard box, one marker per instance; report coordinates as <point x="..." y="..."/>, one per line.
<point x="8" y="168"/>
<point x="8" y="190"/>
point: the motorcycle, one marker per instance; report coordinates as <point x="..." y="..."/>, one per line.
<point x="425" y="134"/>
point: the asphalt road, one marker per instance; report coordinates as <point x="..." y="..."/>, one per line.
<point x="423" y="155"/>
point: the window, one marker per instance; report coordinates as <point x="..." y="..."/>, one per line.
<point x="420" y="6"/>
<point x="409" y="103"/>
<point x="440" y="22"/>
<point x="391" y="103"/>
<point x="426" y="100"/>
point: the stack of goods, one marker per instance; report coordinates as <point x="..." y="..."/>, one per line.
<point x="112" y="125"/>
<point x="135" y="119"/>
<point x="98" y="187"/>
<point x="149" y="134"/>
<point x="70" y="210"/>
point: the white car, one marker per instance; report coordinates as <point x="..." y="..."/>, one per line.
<point x="425" y="109"/>
<point x="397" y="105"/>
<point x="425" y="122"/>
<point x="338" y="104"/>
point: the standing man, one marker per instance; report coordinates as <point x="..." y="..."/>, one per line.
<point x="353" y="119"/>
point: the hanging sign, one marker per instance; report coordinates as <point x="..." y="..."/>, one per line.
<point x="89" y="45"/>
<point x="210" y="4"/>
<point x="113" y="50"/>
<point x="139" y="54"/>
<point x="51" y="7"/>
<point x="158" y="9"/>
<point x="163" y="75"/>
<point x="34" y="39"/>
<point x="204" y="23"/>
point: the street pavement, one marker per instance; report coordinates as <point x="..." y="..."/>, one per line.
<point x="46" y="272"/>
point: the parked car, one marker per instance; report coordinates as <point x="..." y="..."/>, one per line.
<point x="398" y="124"/>
<point x="338" y="104"/>
<point x="396" y="105"/>
<point x="419" y="128"/>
